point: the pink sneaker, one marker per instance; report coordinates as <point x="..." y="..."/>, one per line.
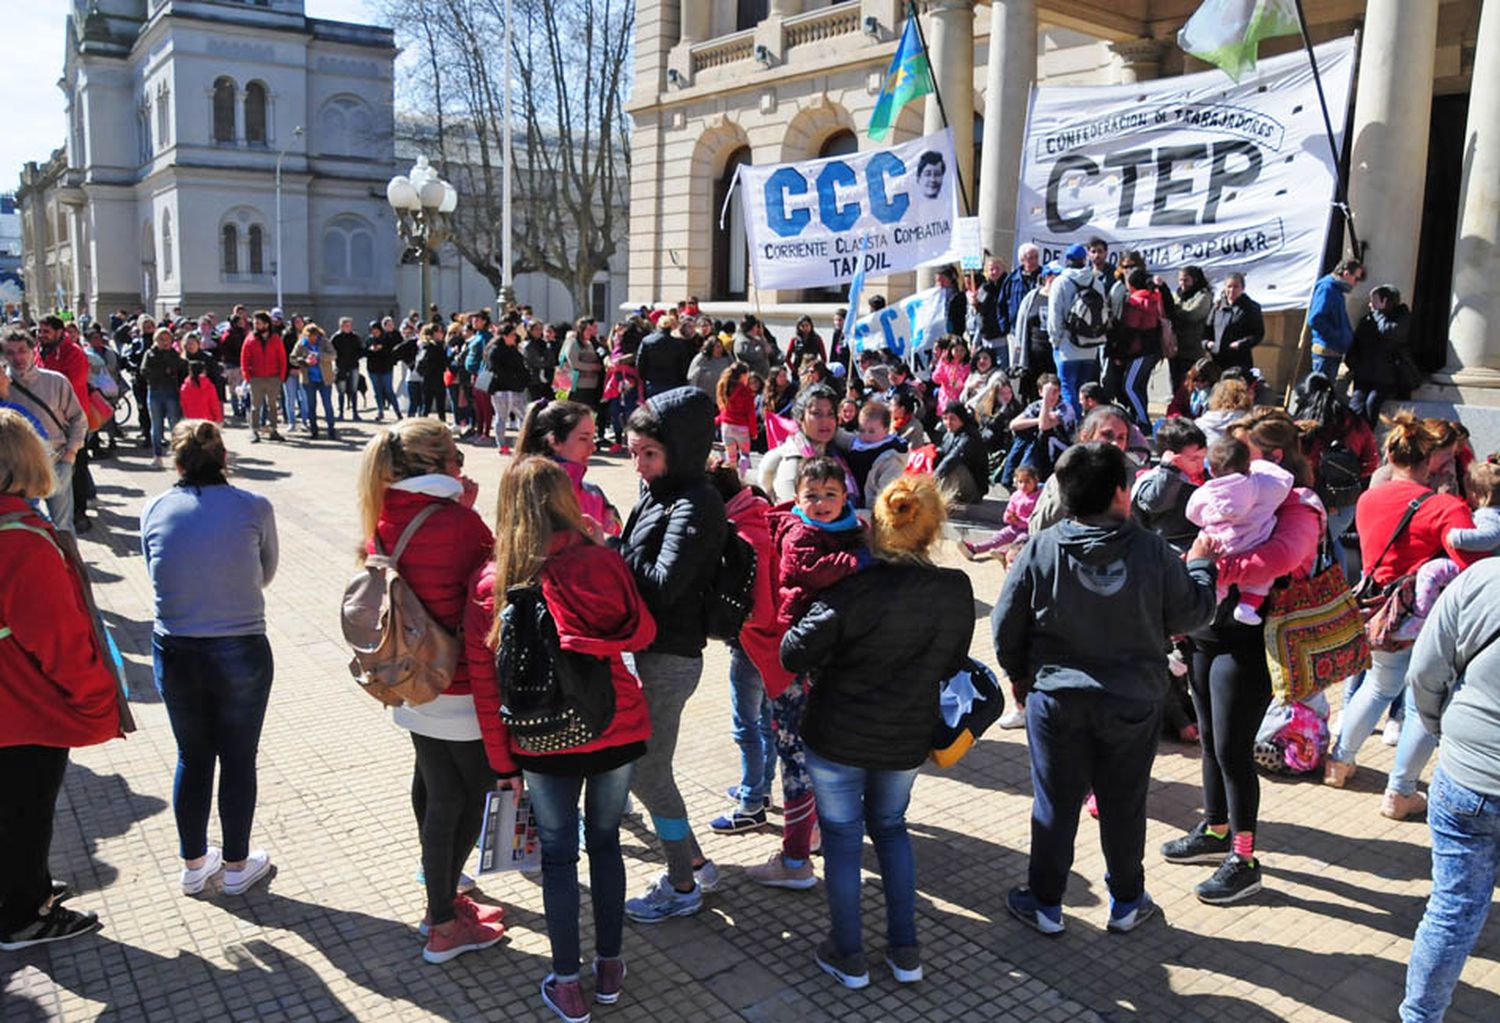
<point x="462" y="934"/>
<point x="1091" y="804"/>
<point x="565" y="997"/>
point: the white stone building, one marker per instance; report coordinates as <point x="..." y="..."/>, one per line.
<point x="723" y="82"/>
<point x="165" y="194"/>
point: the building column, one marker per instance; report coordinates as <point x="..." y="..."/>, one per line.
<point x="1474" y="323"/>
<point x="950" y="42"/>
<point x="783" y="8"/>
<point x="696" y="21"/>
<point x="1008" y="79"/>
<point x="1392" y="117"/>
<point x="1140" y="60"/>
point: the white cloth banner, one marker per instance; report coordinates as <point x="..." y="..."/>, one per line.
<point x="1193" y="170"/>
<point x="810" y="224"/>
<point x="910" y="325"/>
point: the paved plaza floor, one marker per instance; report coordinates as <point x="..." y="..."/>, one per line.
<point x="332" y="936"/>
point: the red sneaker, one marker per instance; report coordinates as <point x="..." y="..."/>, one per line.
<point x="460" y="935"/>
<point x="485" y="913"/>
<point x="565" y="998"/>
<point x="609" y="978"/>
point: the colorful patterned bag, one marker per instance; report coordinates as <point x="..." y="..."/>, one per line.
<point x="1314" y="633"/>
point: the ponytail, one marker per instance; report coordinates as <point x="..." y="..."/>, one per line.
<point x="548" y="423"/>
<point x="1410" y="440"/>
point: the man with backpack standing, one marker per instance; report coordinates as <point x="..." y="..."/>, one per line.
<point x="1078" y="324"/>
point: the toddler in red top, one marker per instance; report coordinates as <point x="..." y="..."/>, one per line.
<point x="819" y="539"/>
<point x="736" y="415"/>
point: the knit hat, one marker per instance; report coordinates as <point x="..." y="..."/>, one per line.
<point x="909" y="516"/>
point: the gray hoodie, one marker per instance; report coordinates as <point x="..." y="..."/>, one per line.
<point x="1090" y="606"/>
<point x="1061" y="300"/>
<point x="1455" y="677"/>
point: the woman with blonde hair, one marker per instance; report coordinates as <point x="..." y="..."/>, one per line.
<point x="875" y="670"/>
<point x="211" y="548"/>
<point x="416" y="504"/>
<point x="57" y="692"/>
<point x="313" y="356"/>
<point x="1230" y="401"/>
<point x="545" y="540"/>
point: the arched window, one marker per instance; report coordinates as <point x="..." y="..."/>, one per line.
<point x="163" y="117"/>
<point x="348" y="250"/>
<point x="229" y="249"/>
<point x="730" y="277"/>
<point x="346" y="126"/>
<point x="224" y="110"/>
<point x="257" y="250"/>
<point x="166" y="245"/>
<point x="255" y="114"/>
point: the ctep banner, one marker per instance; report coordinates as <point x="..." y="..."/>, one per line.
<point x="811" y="223"/>
<point x="1193" y="170"/>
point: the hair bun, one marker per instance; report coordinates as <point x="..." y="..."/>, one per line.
<point x="909" y="515"/>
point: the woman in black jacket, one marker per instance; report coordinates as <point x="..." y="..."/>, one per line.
<point x="672" y="542"/>
<point x="1380" y="364"/>
<point x="963" y="464"/>
<point x="876" y="665"/>
<point x="1235" y="326"/>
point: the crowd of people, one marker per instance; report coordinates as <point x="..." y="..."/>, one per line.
<point x="1141" y="554"/>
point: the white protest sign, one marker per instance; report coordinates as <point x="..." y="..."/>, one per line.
<point x="969" y="244"/>
<point x="811" y="223"/>
<point x="903" y="327"/>
<point x="1193" y="170"/>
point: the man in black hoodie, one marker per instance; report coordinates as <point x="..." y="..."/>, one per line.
<point x="1081" y="628"/>
<point x="348" y="348"/>
<point x="673" y="543"/>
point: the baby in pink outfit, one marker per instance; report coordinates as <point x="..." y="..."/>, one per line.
<point x="1237" y="507"/>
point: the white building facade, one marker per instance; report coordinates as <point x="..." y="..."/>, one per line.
<point x="165" y="193"/>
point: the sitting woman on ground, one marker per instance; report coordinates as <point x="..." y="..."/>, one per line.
<point x="963" y="466"/>
<point x="412" y="488"/>
<point x="58" y="691"/>
<point x="876" y="667"/>
<point x="564" y="432"/>
<point x="546" y="540"/>
<point x="1229" y="680"/>
<point x="211" y="548"/>
<point x="1409" y="448"/>
<point x="982" y="375"/>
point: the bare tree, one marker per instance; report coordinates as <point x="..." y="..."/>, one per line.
<point x="570" y="175"/>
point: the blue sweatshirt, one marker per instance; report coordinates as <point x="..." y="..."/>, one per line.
<point x="209" y="550"/>
<point x="1328" y="316"/>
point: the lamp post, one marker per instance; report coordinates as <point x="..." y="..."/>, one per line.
<point x="423" y="203"/>
<point x="296" y="134"/>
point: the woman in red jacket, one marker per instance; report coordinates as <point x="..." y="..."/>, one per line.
<point x="57" y="691"/>
<point x="408" y="470"/>
<point x="593" y="599"/>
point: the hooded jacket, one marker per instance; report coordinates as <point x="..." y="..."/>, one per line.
<point x="663" y="362"/>
<point x="1064" y="291"/>
<point x="1328" y="316"/>
<point x="1381" y="341"/>
<point x="812" y="556"/>
<point x="1090" y="606"/>
<point x="675" y="536"/>
<point x="874" y="466"/>
<point x="598" y="611"/>
<point x="964" y="447"/>
<point x="877" y="647"/>
<point x="761" y="636"/>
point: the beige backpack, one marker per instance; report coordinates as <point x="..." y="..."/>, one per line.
<point x="401" y="654"/>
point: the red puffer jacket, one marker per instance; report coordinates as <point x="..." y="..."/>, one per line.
<point x="598" y="610"/>
<point x="761" y="635"/>
<point x="56" y="686"/>
<point x="441" y="558"/>
<point x="69" y="359"/>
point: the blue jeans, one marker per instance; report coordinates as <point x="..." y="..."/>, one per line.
<point x="849" y="800"/>
<point x="1385" y="681"/>
<point x="311" y="392"/>
<point x="215" y="691"/>
<point x="1340" y="519"/>
<point x="1073" y="374"/>
<point x="1328" y="365"/>
<point x="385" y="394"/>
<point x="750" y="723"/>
<point x="554" y="800"/>
<point x="295" y="404"/>
<point x="1465" y="867"/>
<point x="165" y="408"/>
<point x="1080" y="739"/>
<point x="416" y="396"/>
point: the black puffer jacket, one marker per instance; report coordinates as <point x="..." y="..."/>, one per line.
<point x="675" y="536"/>
<point x="508" y="367"/>
<point x="877" y="645"/>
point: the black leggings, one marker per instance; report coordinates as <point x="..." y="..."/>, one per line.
<point x="30" y="779"/>
<point x="448" y="796"/>
<point x="1231" y="690"/>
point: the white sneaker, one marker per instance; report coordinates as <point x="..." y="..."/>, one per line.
<point x="156" y="463"/>
<point x="1013" y="718"/>
<point x="466" y="884"/>
<point x="708" y="877"/>
<point x="1391" y="734"/>
<point x="1246" y="615"/>
<point x="257" y="865"/>
<point x="194" y="880"/>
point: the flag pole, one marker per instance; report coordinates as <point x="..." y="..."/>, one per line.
<point x="1342" y="197"/>
<point x="911" y="12"/>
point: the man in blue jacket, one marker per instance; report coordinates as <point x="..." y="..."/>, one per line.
<point x="1081" y="629"/>
<point x="1328" y="316"/>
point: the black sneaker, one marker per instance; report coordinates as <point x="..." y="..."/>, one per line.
<point x="1237" y="878"/>
<point x="56" y="923"/>
<point x="738" y="821"/>
<point x="1197" y="846"/>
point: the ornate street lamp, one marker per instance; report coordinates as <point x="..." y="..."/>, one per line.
<point x="423" y="203"/>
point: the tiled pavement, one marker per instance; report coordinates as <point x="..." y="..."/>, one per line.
<point x="332" y="937"/>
